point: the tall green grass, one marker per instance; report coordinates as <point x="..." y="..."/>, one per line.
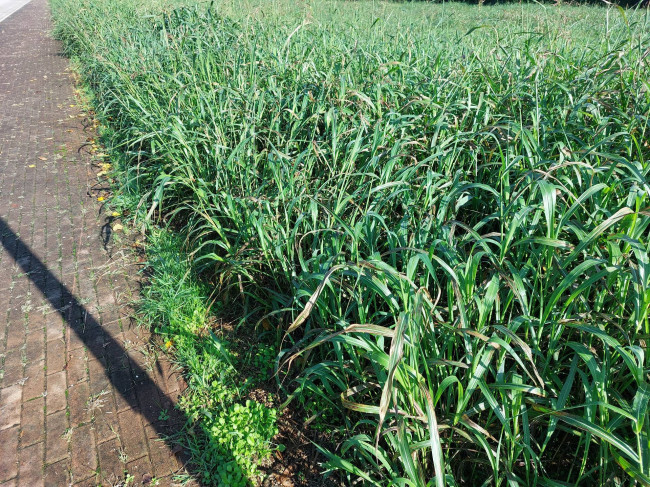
<point x="444" y="211"/>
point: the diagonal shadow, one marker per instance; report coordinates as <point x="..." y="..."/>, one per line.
<point x="99" y="343"/>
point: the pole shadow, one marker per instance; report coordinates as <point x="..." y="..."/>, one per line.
<point x="128" y="379"/>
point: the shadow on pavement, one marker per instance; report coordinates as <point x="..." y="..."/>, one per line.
<point x="133" y="383"/>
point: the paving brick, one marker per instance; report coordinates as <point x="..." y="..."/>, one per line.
<point x="112" y="327"/>
<point x="76" y="366"/>
<point x="73" y="338"/>
<point x="105" y="298"/>
<point x="8" y="453"/>
<point x="55" y="356"/>
<point x="84" y="455"/>
<point x="57" y="440"/>
<point x="57" y="474"/>
<point x="13" y="367"/>
<point x="124" y="389"/>
<point x="34" y="383"/>
<point x="107" y="423"/>
<point x="149" y="400"/>
<point x="115" y="355"/>
<point x="111" y="468"/>
<point x="56" y="392"/>
<point x="35" y="347"/>
<point x="94" y="340"/>
<point x="10" y="400"/>
<point x="30" y="470"/>
<point x="132" y="434"/>
<point x="32" y="422"/>
<point x="140" y="469"/>
<point x="54" y="294"/>
<point x="36" y="321"/>
<point x="78" y="396"/>
<point x="104" y="411"/>
<point x="15" y="333"/>
<point x="170" y="374"/>
<point x="99" y="378"/>
<point x="54" y="327"/>
<point x="162" y="458"/>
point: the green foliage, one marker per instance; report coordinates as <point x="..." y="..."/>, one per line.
<point x="262" y="360"/>
<point x="250" y="427"/>
<point x="446" y="208"/>
<point x="239" y="439"/>
<point x="227" y="436"/>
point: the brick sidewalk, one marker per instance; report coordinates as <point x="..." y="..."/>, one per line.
<point x="81" y="391"/>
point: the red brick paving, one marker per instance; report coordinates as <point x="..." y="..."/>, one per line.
<point x="70" y="410"/>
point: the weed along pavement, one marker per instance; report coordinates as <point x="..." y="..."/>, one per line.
<point x="83" y="400"/>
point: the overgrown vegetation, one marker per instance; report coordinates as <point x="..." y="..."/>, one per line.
<point x="440" y="211"/>
<point x="229" y="434"/>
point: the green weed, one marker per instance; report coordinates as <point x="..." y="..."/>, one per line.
<point x="227" y="435"/>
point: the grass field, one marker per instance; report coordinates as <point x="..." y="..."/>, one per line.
<point x="435" y="215"/>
